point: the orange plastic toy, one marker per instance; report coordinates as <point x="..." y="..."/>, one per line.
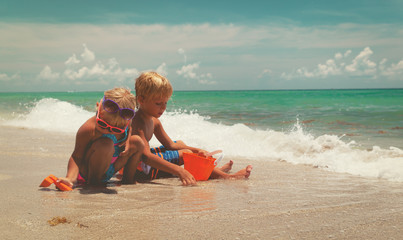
<point x="200" y="167"/>
<point x="52" y="179"/>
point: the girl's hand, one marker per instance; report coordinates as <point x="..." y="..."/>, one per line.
<point x="66" y="181"/>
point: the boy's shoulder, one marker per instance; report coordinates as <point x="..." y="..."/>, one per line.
<point x="156" y="122"/>
<point x="142" y="123"/>
<point x="143" y="127"/>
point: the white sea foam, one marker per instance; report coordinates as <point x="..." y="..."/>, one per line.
<point x="329" y="152"/>
<point x="297" y="146"/>
<point x="52" y="115"/>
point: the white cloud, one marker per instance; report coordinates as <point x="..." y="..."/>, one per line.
<point x="329" y="68"/>
<point x="5" y="78"/>
<point x="227" y="47"/>
<point x="361" y="65"/>
<point x="48" y="74"/>
<point x="188" y="72"/>
<point x="112" y="63"/>
<point x="111" y="71"/>
<point x="72" y="61"/>
<point x="87" y="55"/>
<point x="162" y="69"/>
<point x="382" y="63"/>
<point x="338" y="56"/>
<point x="181" y="51"/>
<point x="304" y="72"/>
<point x="265" y="72"/>
<point x="393" y="70"/>
<point x="79" y="72"/>
<point x="197" y="36"/>
<point x="205" y="79"/>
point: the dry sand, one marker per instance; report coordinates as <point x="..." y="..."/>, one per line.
<point x="279" y="201"/>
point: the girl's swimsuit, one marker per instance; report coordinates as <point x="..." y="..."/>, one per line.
<point x="111" y="170"/>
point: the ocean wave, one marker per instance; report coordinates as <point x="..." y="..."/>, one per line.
<point x="52" y="115"/>
<point x="295" y="145"/>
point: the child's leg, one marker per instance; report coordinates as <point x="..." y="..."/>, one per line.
<point x="132" y="160"/>
<point x="97" y="160"/>
<point x="226" y="167"/>
<point x="180" y="163"/>
<point x="244" y="173"/>
<point x="172" y="156"/>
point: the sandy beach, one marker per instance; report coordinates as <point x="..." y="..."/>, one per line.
<point x="278" y="201"/>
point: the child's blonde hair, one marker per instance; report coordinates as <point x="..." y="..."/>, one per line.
<point x="125" y="99"/>
<point x="151" y="85"/>
<point x="122" y="96"/>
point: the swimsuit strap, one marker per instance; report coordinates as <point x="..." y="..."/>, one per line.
<point x="113" y="137"/>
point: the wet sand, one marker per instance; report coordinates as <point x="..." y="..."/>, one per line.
<point x="279" y="201"/>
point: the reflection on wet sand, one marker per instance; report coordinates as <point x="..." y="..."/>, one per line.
<point x="198" y="199"/>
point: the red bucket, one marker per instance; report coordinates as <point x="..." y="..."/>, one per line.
<point x="200" y="167"/>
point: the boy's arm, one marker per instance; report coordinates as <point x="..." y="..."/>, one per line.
<point x="126" y="143"/>
<point x="159" y="163"/>
<point x="167" y="142"/>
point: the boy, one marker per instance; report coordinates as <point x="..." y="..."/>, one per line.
<point x="104" y="143"/>
<point x="152" y="94"/>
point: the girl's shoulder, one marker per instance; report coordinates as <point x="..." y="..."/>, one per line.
<point x="88" y="128"/>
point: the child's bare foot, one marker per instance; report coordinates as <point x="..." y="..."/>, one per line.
<point x="227" y="167"/>
<point x="244" y="173"/>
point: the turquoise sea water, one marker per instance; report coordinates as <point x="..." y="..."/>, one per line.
<point x="373" y="116"/>
<point x="325" y="128"/>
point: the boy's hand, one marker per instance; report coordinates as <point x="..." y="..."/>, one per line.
<point x="186" y="177"/>
<point x="126" y="146"/>
<point x="201" y="152"/>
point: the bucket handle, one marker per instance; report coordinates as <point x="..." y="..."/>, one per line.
<point x="218" y="159"/>
<point x="212" y="153"/>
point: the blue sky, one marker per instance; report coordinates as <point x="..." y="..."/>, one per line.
<point x="205" y="45"/>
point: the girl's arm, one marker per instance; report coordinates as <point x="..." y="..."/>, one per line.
<point x="72" y="173"/>
<point x="83" y="137"/>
